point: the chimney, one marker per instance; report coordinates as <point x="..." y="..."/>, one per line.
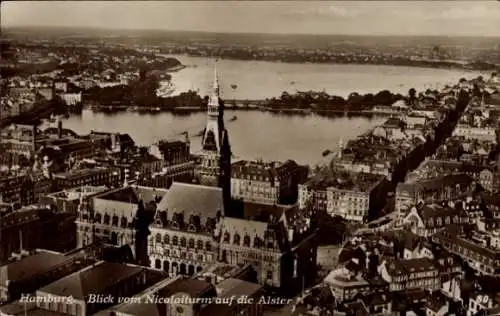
<point x="59" y="128"/>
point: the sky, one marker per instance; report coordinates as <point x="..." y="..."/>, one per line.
<point x="449" y="18"/>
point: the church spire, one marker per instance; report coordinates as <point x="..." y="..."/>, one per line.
<point x="215" y="84"/>
<point x="213" y="102"/>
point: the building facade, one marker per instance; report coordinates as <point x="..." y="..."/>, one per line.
<point x="266" y="182"/>
<point x="119" y="217"/>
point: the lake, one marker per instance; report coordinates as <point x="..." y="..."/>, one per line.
<point x="261" y="79"/>
<point x="253" y="134"/>
<point x="256" y="134"/>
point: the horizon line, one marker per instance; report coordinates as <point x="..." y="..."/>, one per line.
<point x="69" y="28"/>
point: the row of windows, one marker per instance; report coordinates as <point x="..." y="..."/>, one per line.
<point x="183" y="242"/>
<point x="107" y="219"/>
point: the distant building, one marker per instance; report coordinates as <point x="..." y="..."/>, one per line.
<point x="24" y="189"/>
<point x="36" y="227"/>
<point x="441" y="188"/>
<point x="346" y="194"/>
<point x="71" y="99"/>
<point x="266" y="182"/>
<point x="427" y="220"/>
<point x="478" y="133"/>
<point x="68" y="200"/>
<point x="355" y="197"/>
<point x="98" y="176"/>
<point x="411" y="274"/>
<point x="20" y="140"/>
<point x="484" y="260"/>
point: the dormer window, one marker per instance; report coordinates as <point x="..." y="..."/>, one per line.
<point x="183" y="241"/>
<point x="236" y="239"/>
<point x="124" y="222"/>
<point x="246" y="241"/>
<point x="194" y="223"/>
<point x="174" y="241"/>
<point x="226" y="237"/>
<point x="199" y="244"/>
<point x="106" y="219"/>
<point x="97" y="218"/>
<point x="166" y="239"/>
<point x="115" y="221"/>
<point x="210" y="223"/>
<point x="158" y="238"/>
<point x="208" y="246"/>
<point x="191" y="243"/>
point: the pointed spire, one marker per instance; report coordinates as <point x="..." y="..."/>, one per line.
<point x="216" y="77"/>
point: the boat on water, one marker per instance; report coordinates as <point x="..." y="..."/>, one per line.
<point x="326" y="152"/>
<point x="165" y="90"/>
<point x="234" y="86"/>
<point x="234" y="118"/>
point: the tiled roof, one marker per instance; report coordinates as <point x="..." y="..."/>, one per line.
<point x="405" y="267"/>
<point x="435" y="183"/>
<point x="198" y="200"/>
<point x="434" y="210"/>
<point x="93" y="280"/>
<point x="31" y="265"/>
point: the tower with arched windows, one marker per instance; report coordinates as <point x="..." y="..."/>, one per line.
<point x="215" y="164"/>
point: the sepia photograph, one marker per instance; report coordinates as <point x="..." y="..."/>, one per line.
<point x="249" y="158"/>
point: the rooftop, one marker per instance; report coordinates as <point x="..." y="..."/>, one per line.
<point x="95" y="279"/>
<point x="196" y="200"/>
<point x="134" y="194"/>
<point x="406" y="267"/>
<point x="80" y="172"/>
<point x="41" y="261"/>
<point x="268" y="170"/>
<point x="360" y="182"/>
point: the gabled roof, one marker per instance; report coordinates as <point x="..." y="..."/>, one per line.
<point x="93" y="280"/>
<point x="198" y="200"/>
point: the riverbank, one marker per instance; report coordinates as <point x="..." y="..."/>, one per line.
<point x="192" y="110"/>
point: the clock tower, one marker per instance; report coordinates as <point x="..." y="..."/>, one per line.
<point x="215" y="165"/>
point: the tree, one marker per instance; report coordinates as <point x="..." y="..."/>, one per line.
<point x="412" y="96"/>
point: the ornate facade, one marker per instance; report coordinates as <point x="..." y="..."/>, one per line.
<point x="184" y="234"/>
<point x="267" y="182"/>
<point x="215" y="166"/>
<point x="120" y="217"/>
<point x="191" y="233"/>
